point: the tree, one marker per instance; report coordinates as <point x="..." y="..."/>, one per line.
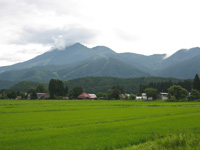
<point x="33" y="93"/>
<point x="196" y="83"/>
<point x="151" y="92"/>
<point x="119" y="88"/>
<point x="132" y="96"/>
<point x="115" y="92"/>
<point x="66" y="90"/>
<point x="56" y="88"/>
<point x="71" y="94"/>
<point x="177" y="92"/>
<point x="3" y="94"/>
<point x="11" y="94"/>
<point x="109" y="94"/>
<point x="195" y="94"/>
<point x="75" y="92"/>
<point x="99" y="94"/>
<point x="40" y="89"/>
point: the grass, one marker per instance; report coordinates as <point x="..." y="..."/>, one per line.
<point x="181" y="141"/>
<point x="97" y="125"/>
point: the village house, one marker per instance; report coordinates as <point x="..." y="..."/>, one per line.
<point x="18" y="97"/>
<point x="87" y="96"/>
<point x="138" y="98"/>
<point x="84" y="96"/>
<point x="163" y="96"/>
<point x="42" y="95"/>
<point x="142" y="97"/>
<point x="92" y="96"/>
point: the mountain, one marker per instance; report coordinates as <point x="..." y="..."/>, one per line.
<point x="80" y="61"/>
<point x="145" y="63"/>
<point x="72" y="54"/>
<point x="97" y="66"/>
<point x="102" y="66"/>
<point x="182" y="69"/>
<point x="181" y="56"/>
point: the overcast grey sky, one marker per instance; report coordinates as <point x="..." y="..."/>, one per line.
<point x="31" y="27"/>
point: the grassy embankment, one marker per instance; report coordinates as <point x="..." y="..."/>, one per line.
<point x="71" y="125"/>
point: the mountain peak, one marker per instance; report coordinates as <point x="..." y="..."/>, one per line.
<point x="103" y="49"/>
<point x="77" y="45"/>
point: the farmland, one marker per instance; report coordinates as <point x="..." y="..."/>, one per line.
<point x="91" y="125"/>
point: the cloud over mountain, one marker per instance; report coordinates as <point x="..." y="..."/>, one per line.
<point x="56" y="37"/>
<point x="145" y="27"/>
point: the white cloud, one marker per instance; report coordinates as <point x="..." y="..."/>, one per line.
<point x="139" y="26"/>
<point x="57" y="37"/>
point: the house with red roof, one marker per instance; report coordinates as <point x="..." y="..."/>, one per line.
<point x="87" y="96"/>
<point x="84" y="96"/>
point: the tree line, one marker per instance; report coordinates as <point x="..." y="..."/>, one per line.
<point x="58" y="89"/>
<point x="164" y="85"/>
<point x="176" y="92"/>
<point x="12" y="94"/>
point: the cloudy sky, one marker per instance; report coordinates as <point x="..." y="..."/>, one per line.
<point x="31" y="27"/>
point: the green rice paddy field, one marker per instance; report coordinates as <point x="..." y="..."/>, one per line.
<point x="98" y="125"/>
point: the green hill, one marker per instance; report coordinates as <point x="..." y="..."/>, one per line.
<point x="23" y="86"/>
<point x="6" y="84"/>
<point x="98" y="84"/>
<point x="102" y="84"/>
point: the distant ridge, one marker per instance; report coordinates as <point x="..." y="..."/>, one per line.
<point x="80" y="61"/>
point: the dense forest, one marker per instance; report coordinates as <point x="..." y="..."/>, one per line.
<point x="164" y="85"/>
<point x="102" y="84"/>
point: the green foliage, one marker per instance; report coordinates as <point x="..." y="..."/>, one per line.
<point x="75" y="92"/>
<point x="66" y="90"/>
<point x="151" y="92"/>
<point x="11" y="94"/>
<point x="101" y="95"/>
<point x="196" y="83"/>
<point x="182" y="140"/>
<point x="3" y="94"/>
<point x="132" y="96"/>
<point x="6" y="84"/>
<point x="56" y="88"/>
<point x="119" y="88"/>
<point x="23" y="86"/>
<point x="115" y="92"/>
<point x="178" y="92"/>
<point x="195" y="94"/>
<point x="164" y="85"/>
<point x="179" y="141"/>
<point x="33" y="93"/>
<point x="99" y="84"/>
<point x="41" y="89"/>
